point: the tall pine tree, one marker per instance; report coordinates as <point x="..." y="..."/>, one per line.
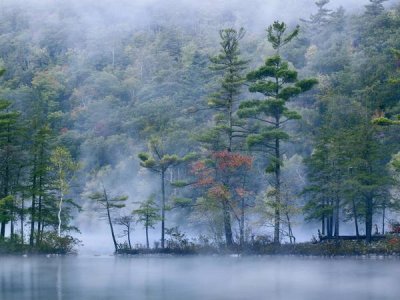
<point x="278" y="84"/>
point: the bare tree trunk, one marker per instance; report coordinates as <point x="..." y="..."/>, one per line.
<point x="337" y="210"/>
<point x="163" y="209"/>
<point x="129" y="237"/>
<point x="368" y="218"/>
<point x="109" y="220"/>
<point x="291" y="236"/>
<point x="277" y="190"/>
<point x="22" y="216"/>
<point x="3" y="229"/>
<point x="147" y="237"/>
<point x="355" y="217"/>
<point x="242" y="224"/>
<point x="12" y="224"/>
<point x="227" y="224"/>
<point x="39" y="220"/>
<point x="33" y="212"/>
<point x="383" y="217"/>
<point x="59" y="212"/>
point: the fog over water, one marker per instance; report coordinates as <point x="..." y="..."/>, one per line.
<point x="277" y="278"/>
<point x="88" y="32"/>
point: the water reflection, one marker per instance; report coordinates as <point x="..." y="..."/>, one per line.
<point x="59" y="280"/>
<point x="192" y="278"/>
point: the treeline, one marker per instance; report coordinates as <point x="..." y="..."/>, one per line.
<point x="234" y="137"/>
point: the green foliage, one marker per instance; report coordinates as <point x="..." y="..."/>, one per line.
<point x="229" y="66"/>
<point x="7" y="206"/>
<point x="277" y="37"/>
<point x="103" y="200"/>
<point x="182" y="202"/>
<point x="382" y="121"/>
<point x="144" y="156"/>
<point x="396" y="162"/>
<point x="148" y="212"/>
<point x="159" y="161"/>
<point x="180" y="183"/>
<point x="54" y="244"/>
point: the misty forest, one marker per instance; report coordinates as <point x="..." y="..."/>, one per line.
<point x="200" y="128"/>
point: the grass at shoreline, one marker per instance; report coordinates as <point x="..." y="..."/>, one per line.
<point x="387" y="246"/>
<point x="390" y="246"/>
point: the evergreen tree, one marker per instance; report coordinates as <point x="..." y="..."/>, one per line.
<point x="10" y="159"/>
<point x="229" y="130"/>
<point x="148" y="215"/>
<point x="158" y="161"/>
<point x="39" y="176"/>
<point x="322" y="17"/>
<point x="278" y="84"/>
<point x="107" y="205"/>
<point x="231" y="66"/>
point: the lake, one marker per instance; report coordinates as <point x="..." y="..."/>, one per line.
<point x="191" y="278"/>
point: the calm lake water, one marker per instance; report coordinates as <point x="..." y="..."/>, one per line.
<point x="190" y="278"/>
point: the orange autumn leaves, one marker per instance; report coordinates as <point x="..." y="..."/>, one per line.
<point x="221" y="174"/>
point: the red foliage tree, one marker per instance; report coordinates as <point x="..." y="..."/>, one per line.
<point x="222" y="176"/>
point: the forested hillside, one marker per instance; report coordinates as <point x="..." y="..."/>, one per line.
<point x="198" y="124"/>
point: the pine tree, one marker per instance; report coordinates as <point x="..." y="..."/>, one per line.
<point x="231" y="66"/>
<point x="39" y="176"/>
<point x="107" y="205"/>
<point x="228" y="131"/>
<point x="148" y="215"/>
<point x="10" y="137"/>
<point x="370" y="176"/>
<point x="10" y="160"/>
<point x="322" y="17"/>
<point x="278" y="84"/>
<point x="158" y="161"/>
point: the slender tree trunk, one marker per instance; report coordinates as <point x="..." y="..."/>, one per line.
<point x="242" y="223"/>
<point x="59" y="212"/>
<point x="227" y="224"/>
<point x="368" y="218"/>
<point x="3" y="229"/>
<point x="22" y="217"/>
<point x="225" y="206"/>
<point x="39" y="220"/>
<point x="147" y="237"/>
<point x="12" y="231"/>
<point x="383" y="217"/>
<point x="337" y="210"/>
<point x="162" y="209"/>
<point x="33" y="212"/>
<point x="41" y="232"/>
<point x="323" y="217"/>
<point x="355" y="217"/>
<point x="329" y="224"/>
<point x="109" y="221"/>
<point x="129" y="237"/>
<point x="230" y="121"/>
<point x="291" y="236"/>
<point x="6" y="182"/>
<point x="277" y="190"/>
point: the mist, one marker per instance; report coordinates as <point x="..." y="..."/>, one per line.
<point x="117" y="73"/>
<point x="198" y="278"/>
